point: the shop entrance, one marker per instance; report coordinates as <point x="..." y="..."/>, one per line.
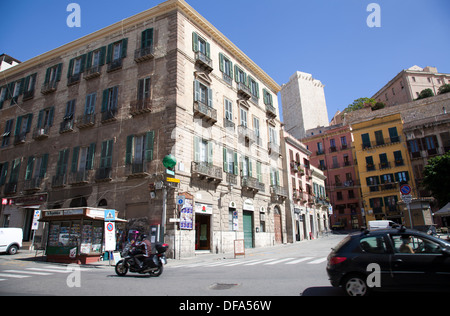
<point x="248" y="229"/>
<point x="202" y="232"/>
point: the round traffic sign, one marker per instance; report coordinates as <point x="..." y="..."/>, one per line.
<point x="405" y="189"/>
<point x="110" y="227"/>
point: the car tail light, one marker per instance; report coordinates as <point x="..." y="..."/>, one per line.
<point x="336" y="260"/>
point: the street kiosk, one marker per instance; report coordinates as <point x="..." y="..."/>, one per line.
<point x="76" y="235"/>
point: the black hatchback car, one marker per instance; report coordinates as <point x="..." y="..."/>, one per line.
<point x="390" y="259"/>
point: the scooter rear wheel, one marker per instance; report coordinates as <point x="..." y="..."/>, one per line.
<point x="121" y="268"/>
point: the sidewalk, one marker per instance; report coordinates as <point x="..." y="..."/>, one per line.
<point x="30" y="255"/>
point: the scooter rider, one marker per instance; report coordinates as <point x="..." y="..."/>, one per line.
<point x="145" y="246"/>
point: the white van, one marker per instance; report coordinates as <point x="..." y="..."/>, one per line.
<point x="381" y="224"/>
<point x="10" y="240"/>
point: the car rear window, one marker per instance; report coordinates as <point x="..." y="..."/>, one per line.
<point x="342" y="243"/>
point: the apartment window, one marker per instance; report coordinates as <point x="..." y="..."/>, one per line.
<point x="351" y="194"/>
<point x="147" y="38"/>
<point x="140" y="148"/>
<point x="203" y="150"/>
<point x="339" y="196"/>
<point x="319" y="148"/>
<point x="17" y="90"/>
<point x="431" y="144"/>
<point x="254" y="88"/>
<point x="240" y="75"/>
<point x="23" y="126"/>
<point x="376" y="204"/>
<point x="226" y="67"/>
<point x="36" y="168"/>
<point x="268" y="99"/>
<point x="256" y="129"/>
<point x="369" y="163"/>
<point x="272" y="135"/>
<point x="259" y="171"/>
<point x="45" y="118"/>
<point x="106" y="154"/>
<point x="230" y="162"/>
<point x="28" y="91"/>
<point x="398" y="159"/>
<point x="144" y="89"/>
<point x="14" y="177"/>
<point x="7" y="132"/>
<point x="246" y="167"/>
<point x="332" y="145"/>
<point x="274" y="177"/>
<point x="228" y="105"/>
<point x="53" y="74"/>
<point x="372" y="183"/>
<point x="83" y="158"/>
<point x="383" y="161"/>
<point x="115" y="54"/>
<point x="76" y="67"/>
<point x="109" y="104"/>
<point x="379" y="138"/>
<point x="393" y="135"/>
<point x="243" y="115"/>
<point x="402" y="177"/>
<point x="203" y="94"/>
<point x="365" y="141"/>
<point x="61" y="168"/>
<point x="95" y="59"/>
<point x="3" y="172"/>
<point x="200" y="45"/>
<point x="89" y="107"/>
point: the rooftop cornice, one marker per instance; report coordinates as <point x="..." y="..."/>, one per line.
<point x="160" y="9"/>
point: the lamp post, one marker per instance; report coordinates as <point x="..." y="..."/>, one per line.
<point x="169" y="162"/>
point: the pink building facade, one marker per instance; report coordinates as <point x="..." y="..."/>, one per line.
<point x="332" y="153"/>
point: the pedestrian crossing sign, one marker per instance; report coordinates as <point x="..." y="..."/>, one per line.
<point x="110" y="215"/>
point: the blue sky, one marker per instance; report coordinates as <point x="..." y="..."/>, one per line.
<point x="327" y="38"/>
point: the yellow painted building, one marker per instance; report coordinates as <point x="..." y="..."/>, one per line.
<point x="383" y="165"/>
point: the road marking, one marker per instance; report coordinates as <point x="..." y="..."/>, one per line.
<point x="49" y="270"/>
<point x="28" y="272"/>
<point x="18" y="276"/>
<point x="279" y="261"/>
<point x="258" y="262"/>
<point x="300" y="260"/>
<point x="241" y="262"/>
<point x="318" y="261"/>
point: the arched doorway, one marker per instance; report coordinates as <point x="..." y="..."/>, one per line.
<point x="277" y="225"/>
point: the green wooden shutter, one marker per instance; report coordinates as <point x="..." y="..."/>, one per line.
<point x="196" y="148"/>
<point x="129" y="150"/>
<point x="149" y="145"/>
<point x="43" y="168"/>
<point x="29" y="171"/>
<point x="90" y="157"/>
<point x="75" y="154"/>
<point x="210" y="152"/>
<point x="70" y="70"/>
<point x="58" y="72"/>
<point x="225" y="165"/>
<point x="236" y="167"/>
<point x="124" y="47"/>
<point x="105" y="100"/>
<point x="109" y="53"/>
<point x="194" y="42"/>
<point x="196" y="90"/>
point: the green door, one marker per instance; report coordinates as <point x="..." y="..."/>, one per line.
<point x="248" y="229"/>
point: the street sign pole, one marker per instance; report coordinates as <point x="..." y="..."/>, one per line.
<point x="405" y="191"/>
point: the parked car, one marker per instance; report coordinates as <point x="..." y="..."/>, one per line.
<point x="338" y="225"/>
<point x="10" y="240"/>
<point x="390" y="259"/>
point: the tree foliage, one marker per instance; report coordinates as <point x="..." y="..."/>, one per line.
<point x="444" y="88"/>
<point x="437" y="178"/>
<point x="425" y="93"/>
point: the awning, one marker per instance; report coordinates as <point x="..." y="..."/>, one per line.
<point x="445" y="211"/>
<point x="76" y="213"/>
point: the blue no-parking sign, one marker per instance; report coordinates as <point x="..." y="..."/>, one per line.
<point x="405" y="189"/>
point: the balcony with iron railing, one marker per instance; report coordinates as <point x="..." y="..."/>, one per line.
<point x="137" y="169"/>
<point x="85" y="120"/>
<point x="115" y="65"/>
<point x="203" y="61"/>
<point x="103" y="174"/>
<point x="109" y="115"/>
<point x="33" y="184"/>
<point x="252" y="184"/>
<point x="41" y="133"/>
<point x="138" y="107"/>
<point x="49" y="87"/>
<point x="80" y="177"/>
<point x="205" y="170"/>
<point x="246" y="132"/>
<point x="92" y="72"/>
<point x="206" y="112"/>
<point x="271" y="111"/>
<point x="244" y="91"/>
<point x="59" y="180"/>
<point x="382" y="142"/>
<point x="143" y="54"/>
<point x="66" y="125"/>
<point x="278" y="192"/>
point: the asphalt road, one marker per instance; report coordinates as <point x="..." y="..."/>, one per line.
<point x="284" y="270"/>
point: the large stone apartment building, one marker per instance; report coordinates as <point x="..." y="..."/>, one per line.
<point x="89" y="123"/>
